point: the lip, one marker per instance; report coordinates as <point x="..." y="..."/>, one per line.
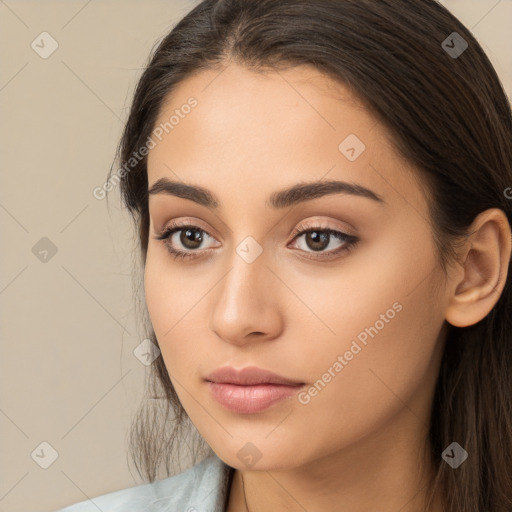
<point x="248" y="376"/>
<point x="251" y="389"/>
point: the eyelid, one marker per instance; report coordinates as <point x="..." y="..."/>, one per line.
<point x="184" y="223"/>
<point x="322" y="225"/>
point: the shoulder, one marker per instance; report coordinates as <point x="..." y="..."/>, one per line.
<point x="203" y="488"/>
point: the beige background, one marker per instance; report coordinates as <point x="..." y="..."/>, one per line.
<point x="68" y="373"/>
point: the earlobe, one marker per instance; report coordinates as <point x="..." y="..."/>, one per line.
<point x="482" y="276"/>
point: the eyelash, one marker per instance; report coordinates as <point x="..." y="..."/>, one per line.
<point x="350" y="240"/>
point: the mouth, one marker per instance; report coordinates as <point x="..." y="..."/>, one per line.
<point x="250" y="390"/>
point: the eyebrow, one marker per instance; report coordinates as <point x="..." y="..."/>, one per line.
<point x="281" y="199"/>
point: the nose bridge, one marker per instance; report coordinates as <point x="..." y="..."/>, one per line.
<point x="247" y="259"/>
<point x="242" y="288"/>
<point x="244" y="302"/>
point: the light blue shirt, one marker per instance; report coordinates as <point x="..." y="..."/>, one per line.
<point x="203" y="488"/>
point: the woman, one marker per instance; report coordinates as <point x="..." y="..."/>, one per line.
<point x="321" y="191"/>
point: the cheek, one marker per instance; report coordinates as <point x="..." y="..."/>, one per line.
<point x="156" y="289"/>
<point x="381" y="295"/>
<point x="365" y="384"/>
<point x="163" y="297"/>
<point x="167" y="287"/>
<point x="174" y="302"/>
<point x="385" y="350"/>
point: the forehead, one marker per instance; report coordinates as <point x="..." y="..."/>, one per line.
<point x="252" y="131"/>
<point x="254" y="106"/>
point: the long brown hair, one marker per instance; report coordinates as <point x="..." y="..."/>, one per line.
<point x="448" y="116"/>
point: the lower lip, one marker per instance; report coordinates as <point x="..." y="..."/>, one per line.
<point x="250" y="399"/>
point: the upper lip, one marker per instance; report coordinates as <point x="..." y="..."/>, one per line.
<point x="248" y="376"/>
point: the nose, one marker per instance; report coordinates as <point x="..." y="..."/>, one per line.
<point x="246" y="305"/>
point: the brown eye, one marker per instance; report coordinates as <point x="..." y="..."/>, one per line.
<point x="190" y="238"/>
<point x="318" y="239"/>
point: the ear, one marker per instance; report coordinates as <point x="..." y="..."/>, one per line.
<point x="481" y="275"/>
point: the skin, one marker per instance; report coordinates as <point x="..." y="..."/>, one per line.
<point x="362" y="439"/>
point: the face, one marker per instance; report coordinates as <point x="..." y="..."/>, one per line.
<point x="352" y="309"/>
